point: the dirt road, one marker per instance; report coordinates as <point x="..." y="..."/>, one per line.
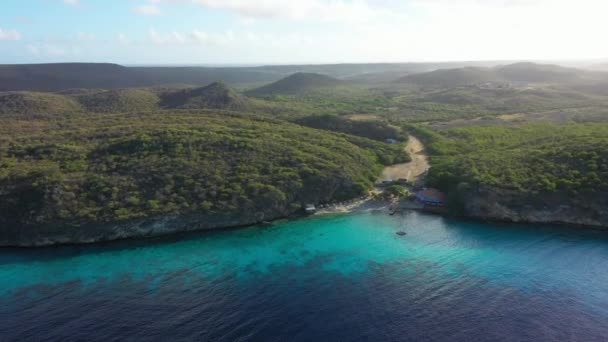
<point x="413" y="170"/>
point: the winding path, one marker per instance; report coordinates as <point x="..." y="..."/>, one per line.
<point x="412" y="171"/>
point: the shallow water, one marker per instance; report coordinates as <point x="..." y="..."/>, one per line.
<point x="343" y="277"/>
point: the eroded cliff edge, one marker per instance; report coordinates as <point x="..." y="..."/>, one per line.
<point x="556" y="208"/>
<point x="15" y="235"/>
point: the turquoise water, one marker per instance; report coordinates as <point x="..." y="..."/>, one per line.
<point x="342" y="277"/>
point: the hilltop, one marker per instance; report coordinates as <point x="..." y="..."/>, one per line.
<point x="216" y="95"/>
<point x="32" y="103"/>
<point x="297" y="83"/>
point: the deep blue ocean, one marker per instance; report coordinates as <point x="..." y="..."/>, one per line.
<point x="330" y="278"/>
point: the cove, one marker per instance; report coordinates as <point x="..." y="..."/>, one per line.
<point x="343" y="277"/>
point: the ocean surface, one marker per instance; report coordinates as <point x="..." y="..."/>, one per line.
<point x="332" y="278"/>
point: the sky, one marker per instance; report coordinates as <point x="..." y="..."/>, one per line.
<point x="247" y="32"/>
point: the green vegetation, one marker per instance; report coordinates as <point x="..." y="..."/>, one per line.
<point x="531" y="158"/>
<point x="527" y="129"/>
<point x="36" y="104"/>
<point x="473" y="102"/>
<point x="373" y="129"/>
<point x="395" y="190"/>
<point x="82" y="168"/>
<point x="216" y="95"/>
<point x="119" y="101"/>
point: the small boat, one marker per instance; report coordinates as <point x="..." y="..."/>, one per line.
<point x="310" y="209"/>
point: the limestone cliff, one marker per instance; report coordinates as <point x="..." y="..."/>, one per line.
<point x="558" y="208"/>
<point x="57" y="234"/>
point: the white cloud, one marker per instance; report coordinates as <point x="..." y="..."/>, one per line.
<point x="318" y="31"/>
<point x="195" y="37"/>
<point x="50" y="50"/>
<point x="205" y="38"/>
<point x="85" y="37"/>
<point x="123" y="39"/>
<point x="166" y="39"/>
<point x="34" y="50"/>
<point x="9" y="35"/>
<point x="322" y="10"/>
<point x="72" y="2"/>
<point x="148" y="10"/>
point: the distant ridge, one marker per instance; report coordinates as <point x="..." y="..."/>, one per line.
<point x="524" y="72"/>
<point x="216" y="95"/>
<point x="532" y="72"/>
<point x="63" y="76"/>
<point x="54" y="77"/>
<point x="451" y="77"/>
<point x="297" y="83"/>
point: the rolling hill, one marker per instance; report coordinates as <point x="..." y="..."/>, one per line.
<point x="297" y="83"/>
<point x="540" y="73"/>
<point x="447" y="78"/>
<point x="518" y="74"/>
<point x="217" y="95"/>
<point x="32" y="103"/>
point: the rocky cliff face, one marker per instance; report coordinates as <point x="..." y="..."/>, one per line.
<point x="57" y="234"/>
<point x="558" y="208"/>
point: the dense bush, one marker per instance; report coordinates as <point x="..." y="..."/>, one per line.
<point x="97" y="168"/>
<point x="373" y="129"/>
<point x="528" y="158"/>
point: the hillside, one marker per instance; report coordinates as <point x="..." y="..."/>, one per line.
<point x="298" y="83"/>
<point x="507" y="99"/>
<point x="540" y="73"/>
<point x="119" y="101"/>
<point x="446" y="78"/>
<point x="217" y="95"/>
<point x="518" y="74"/>
<point x="31" y="103"/>
<point x="119" y="167"/>
<point x="531" y="172"/>
<point x="371" y="129"/>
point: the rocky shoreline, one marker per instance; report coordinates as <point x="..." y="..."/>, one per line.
<point x="481" y="208"/>
<point x="501" y="205"/>
<point x="65" y="234"/>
